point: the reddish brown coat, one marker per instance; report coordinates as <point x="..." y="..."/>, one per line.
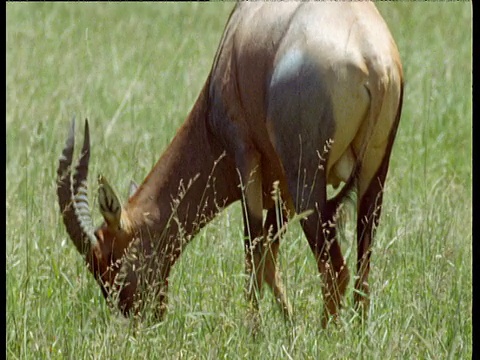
<point x="301" y="95"/>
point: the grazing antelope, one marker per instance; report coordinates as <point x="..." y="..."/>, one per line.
<point x="300" y="96"/>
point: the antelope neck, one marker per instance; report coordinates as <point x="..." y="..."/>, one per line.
<point x="180" y="194"/>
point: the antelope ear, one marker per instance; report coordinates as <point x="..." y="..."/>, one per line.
<point x="132" y="188"/>
<point x="110" y="206"/>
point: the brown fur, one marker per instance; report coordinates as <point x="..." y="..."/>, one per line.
<point x="299" y="95"/>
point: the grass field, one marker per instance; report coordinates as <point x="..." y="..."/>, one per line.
<point x="135" y="70"/>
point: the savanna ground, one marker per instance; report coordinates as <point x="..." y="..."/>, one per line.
<point x="135" y="70"/>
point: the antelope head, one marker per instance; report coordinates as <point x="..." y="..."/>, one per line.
<point x="110" y="251"/>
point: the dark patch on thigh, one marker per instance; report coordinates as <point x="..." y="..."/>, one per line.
<point x="301" y="122"/>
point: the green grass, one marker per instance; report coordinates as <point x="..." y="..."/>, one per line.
<point x="135" y="70"/>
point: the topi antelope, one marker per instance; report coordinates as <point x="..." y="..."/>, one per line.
<point x="300" y="96"/>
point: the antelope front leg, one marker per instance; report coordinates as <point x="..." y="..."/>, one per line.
<point x="251" y="186"/>
<point x="253" y="242"/>
<point x="269" y="263"/>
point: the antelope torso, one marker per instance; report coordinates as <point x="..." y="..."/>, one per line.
<point x="302" y="74"/>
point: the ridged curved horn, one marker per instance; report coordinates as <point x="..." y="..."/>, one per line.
<point x="73" y="199"/>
